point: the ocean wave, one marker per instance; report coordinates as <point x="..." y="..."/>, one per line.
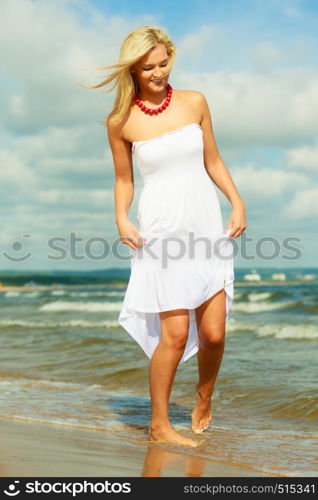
<point x="23" y="293"/>
<point x="256" y="307"/>
<point x="97" y="294"/>
<point x="23" y="381"/>
<point x="257" y="296"/>
<point x="88" y="294"/>
<point x="12" y="294"/>
<point x="302" y="331"/>
<point x="58" y="292"/>
<point x="74" y="323"/>
<point x="27" y="400"/>
<point x="302" y="406"/>
<point x="61" y="305"/>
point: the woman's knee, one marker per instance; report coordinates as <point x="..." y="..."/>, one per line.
<point x="176" y="340"/>
<point x="176" y="335"/>
<point x="175" y="328"/>
<point x="212" y="337"/>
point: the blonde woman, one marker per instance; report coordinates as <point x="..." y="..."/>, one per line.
<point x="173" y="308"/>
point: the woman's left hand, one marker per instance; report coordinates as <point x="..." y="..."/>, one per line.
<point x="237" y="222"/>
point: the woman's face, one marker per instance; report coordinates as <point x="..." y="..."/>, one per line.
<point x="150" y="69"/>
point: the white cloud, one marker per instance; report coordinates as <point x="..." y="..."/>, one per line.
<point x="267" y="54"/>
<point x="303" y="205"/>
<point x="95" y="198"/>
<point x="262" y="183"/>
<point x="16" y="177"/>
<point x="48" y="52"/>
<point x="193" y="45"/>
<point x="303" y="158"/>
<point x="279" y="109"/>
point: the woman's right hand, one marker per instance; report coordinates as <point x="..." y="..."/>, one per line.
<point x="129" y="234"/>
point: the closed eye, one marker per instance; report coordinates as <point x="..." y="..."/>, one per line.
<point x="147" y="69"/>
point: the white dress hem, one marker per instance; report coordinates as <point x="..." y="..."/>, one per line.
<point x="133" y="321"/>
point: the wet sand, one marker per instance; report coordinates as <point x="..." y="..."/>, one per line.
<point x="43" y="450"/>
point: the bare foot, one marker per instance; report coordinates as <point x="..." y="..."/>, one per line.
<point x="169" y="434"/>
<point x="202" y="413"/>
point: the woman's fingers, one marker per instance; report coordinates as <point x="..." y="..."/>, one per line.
<point x="133" y="242"/>
<point x="237" y="231"/>
<point x="140" y="239"/>
<point x="128" y="241"/>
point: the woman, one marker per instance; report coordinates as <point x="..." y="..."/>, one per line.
<point x="177" y="309"/>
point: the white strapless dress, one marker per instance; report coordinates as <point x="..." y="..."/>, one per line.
<point x="188" y="256"/>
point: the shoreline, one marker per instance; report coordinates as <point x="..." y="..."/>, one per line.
<point x="43" y="450"/>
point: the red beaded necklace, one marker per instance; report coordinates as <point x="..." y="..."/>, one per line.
<point x="161" y="108"/>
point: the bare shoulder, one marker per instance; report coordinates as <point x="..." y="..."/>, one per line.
<point x="115" y="131"/>
<point x="113" y="127"/>
<point x="120" y="148"/>
<point x="194" y="98"/>
<point x="120" y="130"/>
<point x="192" y="95"/>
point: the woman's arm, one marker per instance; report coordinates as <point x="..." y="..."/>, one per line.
<point x="219" y="172"/>
<point x="124" y="185"/>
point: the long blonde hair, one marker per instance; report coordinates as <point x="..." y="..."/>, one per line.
<point x="134" y="47"/>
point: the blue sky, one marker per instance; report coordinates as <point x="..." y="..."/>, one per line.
<point x="255" y="61"/>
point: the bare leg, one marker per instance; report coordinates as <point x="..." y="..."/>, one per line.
<point x="163" y="366"/>
<point x="210" y="318"/>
